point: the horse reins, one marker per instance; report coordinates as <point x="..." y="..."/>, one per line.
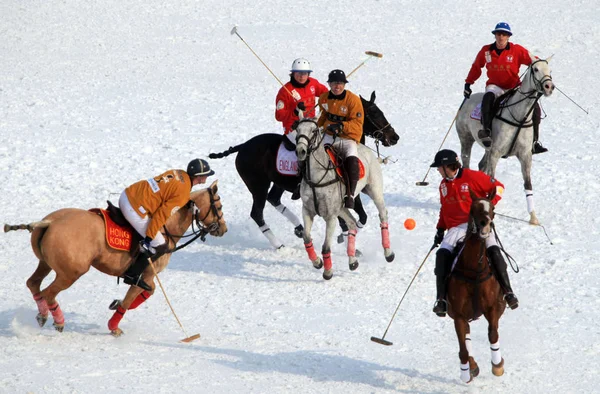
<point x="201" y="231"/>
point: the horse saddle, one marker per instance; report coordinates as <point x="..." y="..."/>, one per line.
<point x="496" y="108"/>
<point x="286" y="161"/>
<point x="119" y="233"/>
<point x="338" y="162"/>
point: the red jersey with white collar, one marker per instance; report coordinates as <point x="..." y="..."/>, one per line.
<point x="456" y="199"/>
<point x="503" y="68"/>
<point x="286" y="104"/>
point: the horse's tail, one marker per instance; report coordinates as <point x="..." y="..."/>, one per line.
<point x="29" y="227"/>
<point x="232" y="149"/>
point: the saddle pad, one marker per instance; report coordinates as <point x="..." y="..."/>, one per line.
<point x="476" y="113"/>
<point x="117" y="237"/>
<point x="334" y="159"/>
<point x="286" y="161"/>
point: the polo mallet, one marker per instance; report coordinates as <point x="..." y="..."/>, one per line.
<point x="187" y="337"/>
<point x="234" y="31"/>
<point x="382" y="340"/>
<point x="371" y="55"/>
<point x="423" y="183"/>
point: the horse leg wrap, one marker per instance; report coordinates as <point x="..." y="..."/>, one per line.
<point x="529" y="198"/>
<point x="327" y="264"/>
<point x="114" y="321"/>
<point x="41" y="304"/>
<point x="139" y="299"/>
<point x="496" y="354"/>
<point x="310" y="249"/>
<point x="385" y="235"/>
<point x="351" y="243"/>
<point x="57" y="313"/>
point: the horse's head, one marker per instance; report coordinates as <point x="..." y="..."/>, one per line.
<point x="208" y="211"/>
<point x="376" y="125"/>
<point x="307" y="132"/>
<point x="539" y="74"/>
<point x="481" y="215"/>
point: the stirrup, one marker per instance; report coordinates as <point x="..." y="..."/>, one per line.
<point x="349" y="202"/>
<point x="440" y="308"/>
<point x="512" y="300"/>
<point x="114" y="305"/>
<point x="538" y="148"/>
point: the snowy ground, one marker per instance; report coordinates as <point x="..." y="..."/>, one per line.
<point x="97" y="95"/>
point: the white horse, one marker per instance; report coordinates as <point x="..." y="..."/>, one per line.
<point x="323" y="193"/>
<point x="512" y="133"/>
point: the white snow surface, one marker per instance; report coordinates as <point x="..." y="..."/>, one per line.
<point x="97" y="95"/>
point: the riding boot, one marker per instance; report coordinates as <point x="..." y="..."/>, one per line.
<point x="133" y="275"/>
<point x="352" y="175"/>
<point x="536" y="119"/>
<point x="301" y="169"/>
<point x="443" y="260"/>
<point x="487" y="105"/>
<point x="499" y="265"/>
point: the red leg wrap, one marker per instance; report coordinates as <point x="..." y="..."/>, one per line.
<point x="351" y="243"/>
<point x="310" y="249"/>
<point x="385" y="235"/>
<point x="57" y="313"/>
<point x="139" y="299"/>
<point x="41" y="304"/>
<point x="114" y="321"/>
<point x="327" y="264"/>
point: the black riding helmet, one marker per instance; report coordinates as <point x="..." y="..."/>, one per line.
<point x="199" y="167"/>
<point x="444" y="157"/>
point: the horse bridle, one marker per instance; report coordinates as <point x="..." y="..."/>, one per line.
<point x="202" y="230"/>
<point x="538" y="83"/>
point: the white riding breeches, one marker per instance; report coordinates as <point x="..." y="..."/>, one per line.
<point x="344" y="147"/>
<point x="497" y="90"/>
<point x="140" y="224"/>
<point x="456" y="234"/>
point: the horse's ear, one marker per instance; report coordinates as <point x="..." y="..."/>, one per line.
<point x="492" y="194"/>
<point x="300" y="114"/>
<point x="372" y="97"/>
<point x="533" y="57"/>
<point x="214" y="186"/>
<point x="548" y="60"/>
<point x="473" y="195"/>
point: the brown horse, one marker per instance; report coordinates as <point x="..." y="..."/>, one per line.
<point x="473" y="290"/>
<point x="70" y="241"/>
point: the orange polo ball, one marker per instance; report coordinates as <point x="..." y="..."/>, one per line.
<point x="410" y="224"/>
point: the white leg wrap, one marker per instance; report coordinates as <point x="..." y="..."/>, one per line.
<point x="529" y="197"/>
<point x="282" y="209"/>
<point x="468" y="344"/>
<point x="465" y="373"/>
<point x="496" y="354"/>
<point x="270" y="236"/>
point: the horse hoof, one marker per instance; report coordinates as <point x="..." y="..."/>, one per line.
<point x="353" y="266"/>
<point x="318" y="263"/>
<point x="473" y="367"/>
<point x="59" y="327"/>
<point x="116" y="333"/>
<point x="41" y="319"/>
<point x="327" y="274"/>
<point x="358" y="253"/>
<point x="299" y="231"/>
<point x="390" y="258"/>
<point x="498" y="369"/>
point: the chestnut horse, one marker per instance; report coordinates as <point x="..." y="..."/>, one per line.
<point x="473" y="290"/>
<point x="70" y="241"/>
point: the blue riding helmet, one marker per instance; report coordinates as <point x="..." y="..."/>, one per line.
<point x="502" y="27"/>
<point x="199" y="167"/>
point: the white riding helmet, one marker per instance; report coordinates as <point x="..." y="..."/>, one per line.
<point x="302" y="65"/>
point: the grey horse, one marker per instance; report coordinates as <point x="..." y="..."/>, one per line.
<point x="322" y="194"/>
<point x="512" y="133"/>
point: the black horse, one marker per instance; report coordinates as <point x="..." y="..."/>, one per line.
<point x="256" y="164"/>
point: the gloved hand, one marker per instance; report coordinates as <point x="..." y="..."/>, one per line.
<point x="467" y="92"/>
<point x="439" y="237"/>
<point x="335" y="129"/>
<point x="300" y="107"/>
<point x="145" y="246"/>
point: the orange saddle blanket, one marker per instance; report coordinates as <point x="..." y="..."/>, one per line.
<point x="334" y="159"/>
<point x="117" y="237"/>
